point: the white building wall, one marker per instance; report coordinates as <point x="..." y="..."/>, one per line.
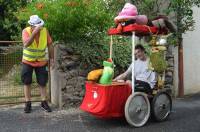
<point x="191" y="51"/>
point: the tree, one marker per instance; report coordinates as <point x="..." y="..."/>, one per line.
<point x="9" y="24"/>
<point x="184" y="22"/>
<point x="82" y="25"/>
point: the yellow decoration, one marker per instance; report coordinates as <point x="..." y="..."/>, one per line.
<point x="95" y="75"/>
<point x="150" y="67"/>
<point x="160" y="82"/>
<point x="158" y="48"/>
<point x="155" y="92"/>
<point x="158" y="62"/>
<point x="154" y="40"/>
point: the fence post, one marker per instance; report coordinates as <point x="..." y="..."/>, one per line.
<point x="55" y="82"/>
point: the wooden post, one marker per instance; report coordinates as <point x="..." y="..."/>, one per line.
<point x="180" y="54"/>
<point x="180" y="69"/>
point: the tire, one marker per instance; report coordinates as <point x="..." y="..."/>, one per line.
<point x="161" y="106"/>
<point x="137" y="109"/>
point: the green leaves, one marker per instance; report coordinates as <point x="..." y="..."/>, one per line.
<point x="83" y="25"/>
<point x="183" y="9"/>
<point x="9" y="25"/>
<point x="70" y="20"/>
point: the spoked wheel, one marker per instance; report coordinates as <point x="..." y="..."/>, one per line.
<point x="161" y="106"/>
<point x="137" y="109"/>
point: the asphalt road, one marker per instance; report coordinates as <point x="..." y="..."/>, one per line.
<point x="184" y="118"/>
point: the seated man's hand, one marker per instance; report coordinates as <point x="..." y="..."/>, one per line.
<point x="121" y="81"/>
<point x="115" y="80"/>
<point x="120" y="77"/>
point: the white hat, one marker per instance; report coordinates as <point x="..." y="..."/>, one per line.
<point x="35" y="21"/>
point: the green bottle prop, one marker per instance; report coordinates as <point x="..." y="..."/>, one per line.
<point x="108" y="73"/>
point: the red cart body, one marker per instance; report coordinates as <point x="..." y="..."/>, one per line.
<point x="105" y="101"/>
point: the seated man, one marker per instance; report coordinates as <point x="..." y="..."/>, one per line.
<point x="145" y="79"/>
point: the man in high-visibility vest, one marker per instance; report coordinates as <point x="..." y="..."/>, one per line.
<point x="36" y="40"/>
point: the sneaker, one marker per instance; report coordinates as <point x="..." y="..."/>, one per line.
<point x="27" y="108"/>
<point x="45" y="106"/>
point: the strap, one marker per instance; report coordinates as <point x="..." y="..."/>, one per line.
<point x="34" y="50"/>
<point x="33" y="57"/>
<point x="111" y="46"/>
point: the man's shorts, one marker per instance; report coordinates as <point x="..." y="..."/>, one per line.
<point x="41" y="74"/>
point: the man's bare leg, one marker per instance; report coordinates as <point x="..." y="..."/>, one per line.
<point x="44" y="103"/>
<point x="43" y="93"/>
<point x="27" y="92"/>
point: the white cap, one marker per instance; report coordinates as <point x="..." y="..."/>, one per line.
<point x="35" y="21"/>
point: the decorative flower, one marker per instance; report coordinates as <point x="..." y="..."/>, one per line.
<point x="71" y="3"/>
<point x="45" y="15"/>
<point x="40" y="6"/>
<point x="86" y="2"/>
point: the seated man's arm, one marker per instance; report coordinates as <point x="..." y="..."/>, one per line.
<point x="124" y="75"/>
<point x="153" y="79"/>
<point x="120" y="77"/>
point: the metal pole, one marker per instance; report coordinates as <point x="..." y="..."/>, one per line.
<point x="111" y="45"/>
<point x="10" y="42"/>
<point x="133" y="62"/>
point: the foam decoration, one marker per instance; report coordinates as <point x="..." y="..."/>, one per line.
<point x="108" y="73"/>
<point x="128" y="12"/>
<point x="94" y="75"/>
<point x="140" y="30"/>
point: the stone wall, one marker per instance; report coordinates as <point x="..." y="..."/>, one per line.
<point x="72" y="77"/>
<point x="169" y="75"/>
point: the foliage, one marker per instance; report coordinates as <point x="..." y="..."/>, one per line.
<point x="9" y="25"/>
<point x="77" y="20"/>
<point x="122" y="52"/>
<point x="82" y="24"/>
<point x="184" y="12"/>
<point x="157" y="61"/>
<point x="180" y="10"/>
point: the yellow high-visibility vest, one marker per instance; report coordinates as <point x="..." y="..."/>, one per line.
<point x="34" y="52"/>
